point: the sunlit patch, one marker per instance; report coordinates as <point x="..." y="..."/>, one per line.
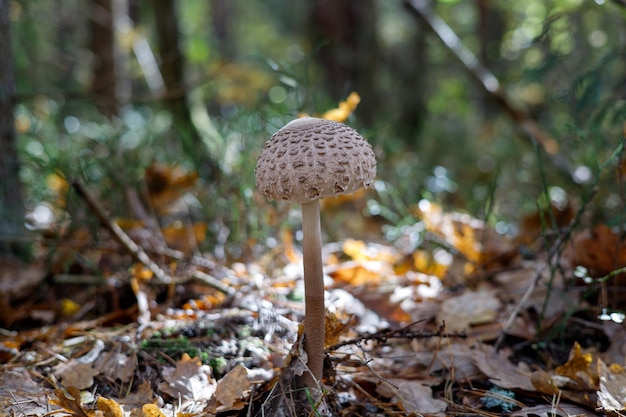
<point x="614" y="316"/>
<point x="42" y="217"/>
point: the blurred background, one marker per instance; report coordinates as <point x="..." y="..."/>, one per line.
<point x="495" y="108"/>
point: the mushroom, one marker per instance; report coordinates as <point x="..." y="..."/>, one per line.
<point x="309" y="159"/>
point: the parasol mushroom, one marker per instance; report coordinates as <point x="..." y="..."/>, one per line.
<point x="309" y="159"/>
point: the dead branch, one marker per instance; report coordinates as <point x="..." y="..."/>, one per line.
<point x="488" y="81"/>
<point x="136" y="252"/>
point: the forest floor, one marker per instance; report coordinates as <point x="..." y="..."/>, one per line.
<point x="461" y="321"/>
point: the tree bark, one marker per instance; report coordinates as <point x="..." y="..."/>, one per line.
<point x="104" y="80"/>
<point x="345" y="32"/>
<point x="172" y="71"/>
<point x="11" y="200"/>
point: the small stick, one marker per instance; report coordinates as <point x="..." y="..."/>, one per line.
<point x="137" y="253"/>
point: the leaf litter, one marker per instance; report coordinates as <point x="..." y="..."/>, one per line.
<point x="461" y="323"/>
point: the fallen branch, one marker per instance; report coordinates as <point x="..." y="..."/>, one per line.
<point x="135" y="251"/>
<point x="489" y="82"/>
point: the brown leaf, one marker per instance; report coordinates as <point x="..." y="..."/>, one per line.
<point x="470" y="308"/>
<point x="76" y="374"/>
<point x="600" y="250"/>
<point x="70" y="402"/>
<point x="411" y="395"/>
<point x="166" y="184"/>
<point x="232" y="388"/>
<point x="183" y="237"/>
<point x="500" y="370"/>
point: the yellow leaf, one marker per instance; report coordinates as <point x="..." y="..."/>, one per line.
<point x="110" y="408"/>
<point x="579" y="368"/>
<point x="151" y="410"/>
<point x="69" y="307"/>
<point x="59" y="186"/>
<point x="184" y="237"/>
<point x="346" y="107"/>
<point x="166" y="184"/>
<point x="425" y="263"/>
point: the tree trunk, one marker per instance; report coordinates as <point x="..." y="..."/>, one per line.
<point x="172" y="70"/>
<point x="104" y="80"/>
<point x="11" y="202"/>
<point x="345" y="32"/>
<point x="221" y="20"/>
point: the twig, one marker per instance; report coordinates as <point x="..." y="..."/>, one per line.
<point x="136" y="252"/>
<point x="553" y="257"/>
<point x="488" y="81"/>
<point x="403" y="333"/>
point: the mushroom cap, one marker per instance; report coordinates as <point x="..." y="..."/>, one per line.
<point x="311" y="158"/>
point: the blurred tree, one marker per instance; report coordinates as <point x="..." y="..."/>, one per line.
<point x="172" y="69"/>
<point x="104" y="80"/>
<point x="344" y="32"/>
<point x="11" y="202"/>
<point x="221" y="20"/>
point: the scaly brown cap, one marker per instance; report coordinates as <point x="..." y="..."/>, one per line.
<point x="311" y="158"/>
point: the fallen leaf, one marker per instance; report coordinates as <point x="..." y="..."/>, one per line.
<point x="600" y="250"/>
<point x="110" y="408"/>
<point x="470" y="308"/>
<point x="117" y="365"/>
<point x="579" y="369"/>
<point x="151" y="410"/>
<point x="411" y="396"/>
<point x="553" y="410"/>
<point x="166" y="184"/>
<point x="76" y="374"/>
<point x="612" y="392"/>
<point x="345" y="108"/>
<point x="500" y="370"/>
<point x="71" y="403"/>
<point x="472" y="237"/>
<point x="190" y="380"/>
<point x="232" y="388"/>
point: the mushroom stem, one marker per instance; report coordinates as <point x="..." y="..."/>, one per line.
<point x="314" y="324"/>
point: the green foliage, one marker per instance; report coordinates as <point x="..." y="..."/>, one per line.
<point x="561" y="60"/>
